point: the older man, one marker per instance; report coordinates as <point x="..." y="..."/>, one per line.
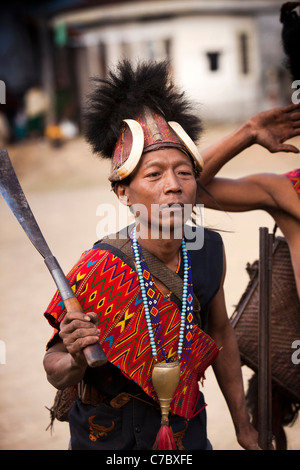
<point x="157" y="308"/>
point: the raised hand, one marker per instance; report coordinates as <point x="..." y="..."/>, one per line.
<point x="274" y="127"/>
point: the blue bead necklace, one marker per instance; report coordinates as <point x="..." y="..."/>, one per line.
<point x="151" y="305"/>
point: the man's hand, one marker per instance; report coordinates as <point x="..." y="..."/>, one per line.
<point x="78" y="330"/>
<point x="247" y="437"/>
<point x="272" y="128"/>
<point x="64" y="362"/>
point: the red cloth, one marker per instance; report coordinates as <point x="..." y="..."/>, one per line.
<point x="294" y="177"/>
<point x="106" y="285"/>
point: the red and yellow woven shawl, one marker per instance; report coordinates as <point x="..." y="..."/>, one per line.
<point x="106" y="285"/>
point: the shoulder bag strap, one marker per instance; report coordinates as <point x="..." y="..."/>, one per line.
<point x="158" y="269"/>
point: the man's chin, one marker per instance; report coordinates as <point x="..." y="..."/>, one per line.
<point x="174" y="229"/>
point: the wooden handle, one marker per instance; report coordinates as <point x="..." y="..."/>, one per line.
<point x="94" y="354"/>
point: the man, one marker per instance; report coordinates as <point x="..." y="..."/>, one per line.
<point x="147" y="326"/>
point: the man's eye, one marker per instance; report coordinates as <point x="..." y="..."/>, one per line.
<point x="152" y="174"/>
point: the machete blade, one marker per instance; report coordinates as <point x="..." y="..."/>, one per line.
<point x="12" y="192"/>
<point x="15" y="198"/>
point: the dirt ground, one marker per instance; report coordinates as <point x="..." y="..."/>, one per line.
<point x="64" y="187"/>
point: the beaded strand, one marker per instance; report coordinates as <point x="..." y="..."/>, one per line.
<point x="143" y="291"/>
<point x="186" y="316"/>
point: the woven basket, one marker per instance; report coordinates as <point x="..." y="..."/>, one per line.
<point x="285" y="321"/>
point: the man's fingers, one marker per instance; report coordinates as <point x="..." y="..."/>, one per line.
<point x="76" y="315"/>
<point x="79" y="331"/>
<point x="80" y="343"/>
<point x="287" y="148"/>
<point x="291" y="108"/>
<point x="82" y="332"/>
<point x="80" y="316"/>
<point x="255" y="447"/>
<point x="93" y="317"/>
<point x="78" y="324"/>
<point x="295" y="116"/>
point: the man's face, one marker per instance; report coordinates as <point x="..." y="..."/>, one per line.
<point x="162" y="189"/>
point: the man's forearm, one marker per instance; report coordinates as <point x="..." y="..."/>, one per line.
<point x="62" y="371"/>
<point x="228" y="372"/>
<point x="218" y="154"/>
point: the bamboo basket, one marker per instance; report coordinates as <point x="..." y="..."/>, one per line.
<point x="285" y="321"/>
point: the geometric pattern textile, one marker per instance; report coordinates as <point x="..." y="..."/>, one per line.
<point x="105" y="284"/>
<point x="294" y="177"/>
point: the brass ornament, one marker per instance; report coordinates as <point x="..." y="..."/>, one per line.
<point x="165" y="379"/>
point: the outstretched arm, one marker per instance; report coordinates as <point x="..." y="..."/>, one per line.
<point x="270" y="129"/>
<point x="261" y="191"/>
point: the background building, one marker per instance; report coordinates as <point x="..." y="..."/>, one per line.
<point x="226" y="54"/>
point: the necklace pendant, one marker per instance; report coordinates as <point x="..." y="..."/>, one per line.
<point x="165" y="379"/>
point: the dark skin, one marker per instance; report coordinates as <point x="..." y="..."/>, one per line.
<point x="65" y="363"/>
<point x="269" y="192"/>
<point x="269" y="129"/>
<point x="227" y="369"/>
<point x="162" y="177"/>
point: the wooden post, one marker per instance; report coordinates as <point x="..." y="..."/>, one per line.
<point x="264" y="340"/>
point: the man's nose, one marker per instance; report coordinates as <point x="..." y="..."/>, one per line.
<point x="172" y="182"/>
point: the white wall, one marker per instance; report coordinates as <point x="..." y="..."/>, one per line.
<point x="226" y="92"/>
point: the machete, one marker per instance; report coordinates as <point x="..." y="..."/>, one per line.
<point x="14" y="196"/>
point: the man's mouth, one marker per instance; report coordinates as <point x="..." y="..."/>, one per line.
<point x="174" y="206"/>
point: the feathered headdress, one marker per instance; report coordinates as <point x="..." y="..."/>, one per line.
<point x="137" y="110"/>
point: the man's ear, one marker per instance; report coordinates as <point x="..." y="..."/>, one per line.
<point x="122" y="194"/>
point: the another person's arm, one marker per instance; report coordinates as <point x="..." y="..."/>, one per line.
<point x="270" y="129"/>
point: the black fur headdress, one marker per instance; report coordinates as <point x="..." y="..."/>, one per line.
<point x="124" y="93"/>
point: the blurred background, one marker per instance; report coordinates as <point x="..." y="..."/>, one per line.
<point x="226" y="55"/>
